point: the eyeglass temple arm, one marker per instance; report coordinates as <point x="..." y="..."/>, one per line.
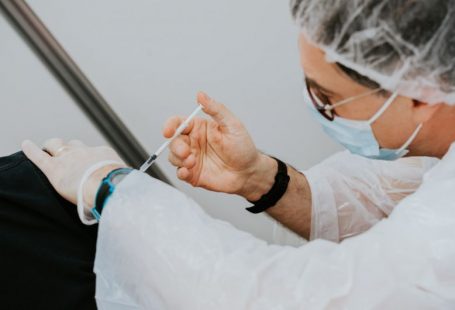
<point x="347" y="100"/>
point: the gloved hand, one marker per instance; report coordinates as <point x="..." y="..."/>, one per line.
<point x="217" y="154"/>
<point x="65" y="163"/>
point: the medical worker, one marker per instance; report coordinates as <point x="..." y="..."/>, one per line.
<point x="380" y="79"/>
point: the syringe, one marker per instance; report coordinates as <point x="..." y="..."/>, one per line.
<point x="179" y="130"/>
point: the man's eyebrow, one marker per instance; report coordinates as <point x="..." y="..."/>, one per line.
<point x="313" y="83"/>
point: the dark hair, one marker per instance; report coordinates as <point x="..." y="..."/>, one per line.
<point x="357" y="77"/>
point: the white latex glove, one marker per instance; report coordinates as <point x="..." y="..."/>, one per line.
<point x="65" y="163"/>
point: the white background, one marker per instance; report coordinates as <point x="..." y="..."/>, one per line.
<point x="149" y="59"/>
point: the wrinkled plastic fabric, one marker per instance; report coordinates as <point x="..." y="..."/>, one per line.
<point x="405" y="46"/>
<point x="350" y="194"/>
<point x="157" y="249"/>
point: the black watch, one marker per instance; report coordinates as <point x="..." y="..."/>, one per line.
<point x="276" y="192"/>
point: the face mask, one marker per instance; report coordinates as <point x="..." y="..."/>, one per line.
<point x="358" y="136"/>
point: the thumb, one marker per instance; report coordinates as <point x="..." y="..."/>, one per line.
<point x="36" y="155"/>
<point x="217" y="111"/>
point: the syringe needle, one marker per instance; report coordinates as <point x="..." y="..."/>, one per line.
<point x="178" y="132"/>
<point x="148" y="163"/>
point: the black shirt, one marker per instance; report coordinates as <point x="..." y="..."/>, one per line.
<point x="46" y="253"/>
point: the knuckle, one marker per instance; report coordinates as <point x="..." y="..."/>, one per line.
<point x="186" y="139"/>
<point x="181" y="141"/>
<point x="222" y="107"/>
<point x="174" y="160"/>
<point x="173" y="145"/>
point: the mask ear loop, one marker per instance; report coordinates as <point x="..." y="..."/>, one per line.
<point x="409" y="141"/>
<point x="383" y="108"/>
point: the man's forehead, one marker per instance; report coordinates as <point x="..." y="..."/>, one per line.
<point x="312" y="60"/>
<point x="316" y="67"/>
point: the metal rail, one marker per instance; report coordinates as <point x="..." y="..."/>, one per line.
<point x="65" y="70"/>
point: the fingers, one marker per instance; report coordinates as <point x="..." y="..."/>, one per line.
<point x="180" y="146"/>
<point x="52" y="146"/>
<point x="39" y="157"/>
<point x="173" y="123"/>
<point x="185" y="163"/>
<point x="178" y="162"/>
<point x="184" y="174"/>
<point x="180" y="153"/>
<point x="217" y="111"/>
<point x="57" y="146"/>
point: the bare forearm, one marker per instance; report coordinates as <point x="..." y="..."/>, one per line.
<point x="293" y="210"/>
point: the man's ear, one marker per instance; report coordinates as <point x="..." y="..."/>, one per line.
<point x="423" y="111"/>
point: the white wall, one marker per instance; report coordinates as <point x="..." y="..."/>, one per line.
<point x="149" y="58"/>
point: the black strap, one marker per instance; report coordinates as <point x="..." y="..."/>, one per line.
<point x="276" y="192"/>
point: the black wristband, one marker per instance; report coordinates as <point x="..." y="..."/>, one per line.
<point x="276" y="192"/>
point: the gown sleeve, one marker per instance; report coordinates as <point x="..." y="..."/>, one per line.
<point x="157" y="249"/>
<point x="350" y="194"/>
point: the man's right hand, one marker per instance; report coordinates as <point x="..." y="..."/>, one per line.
<point x="218" y="154"/>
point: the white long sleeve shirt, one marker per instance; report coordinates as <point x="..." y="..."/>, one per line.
<point x="157" y="249"/>
<point x="351" y="193"/>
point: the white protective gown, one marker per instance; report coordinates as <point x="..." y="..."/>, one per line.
<point x="157" y="249"/>
<point x="351" y="193"/>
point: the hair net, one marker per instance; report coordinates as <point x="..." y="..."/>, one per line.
<point x="404" y="45"/>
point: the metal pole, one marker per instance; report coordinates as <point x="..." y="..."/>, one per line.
<point x="65" y="70"/>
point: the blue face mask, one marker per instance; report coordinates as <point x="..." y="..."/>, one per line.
<point x="358" y="136"/>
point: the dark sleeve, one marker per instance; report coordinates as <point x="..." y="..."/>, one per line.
<point x="47" y="254"/>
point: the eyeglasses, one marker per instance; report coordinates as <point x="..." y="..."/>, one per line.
<point x="322" y="103"/>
